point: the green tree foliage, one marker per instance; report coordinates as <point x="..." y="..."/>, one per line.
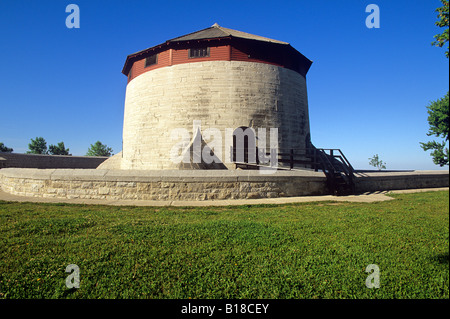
<point x="37" y="146"/>
<point x="375" y="161"/>
<point x="58" y="149"/>
<point x="438" y="110"/>
<point x="98" y="149"/>
<point x="443" y="15"/>
<point x="439" y="127"/>
<point x="5" y="149"/>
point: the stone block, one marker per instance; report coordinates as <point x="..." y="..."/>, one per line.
<point x="103" y="191"/>
<point x="252" y="195"/>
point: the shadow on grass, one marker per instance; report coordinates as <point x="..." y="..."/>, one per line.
<point x="442" y="258"/>
<point x="68" y="292"/>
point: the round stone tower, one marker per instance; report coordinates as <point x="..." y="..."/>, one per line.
<point x="210" y="83"/>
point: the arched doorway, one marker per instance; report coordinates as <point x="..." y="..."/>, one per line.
<point x="244" y="145"/>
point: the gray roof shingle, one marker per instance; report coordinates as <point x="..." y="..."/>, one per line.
<point x="216" y="31"/>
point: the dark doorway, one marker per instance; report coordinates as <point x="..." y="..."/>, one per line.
<point x="244" y="145"/>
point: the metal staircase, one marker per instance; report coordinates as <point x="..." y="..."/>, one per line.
<point x="337" y="169"/>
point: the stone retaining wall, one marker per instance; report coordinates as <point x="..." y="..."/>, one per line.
<point x="49" y="161"/>
<point x="159" y="185"/>
<point x="376" y="181"/>
<point x="196" y="185"/>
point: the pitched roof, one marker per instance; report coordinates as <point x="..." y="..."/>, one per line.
<point x="213" y="32"/>
<point x="216" y="31"/>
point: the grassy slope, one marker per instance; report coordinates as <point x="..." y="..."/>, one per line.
<point x="311" y="250"/>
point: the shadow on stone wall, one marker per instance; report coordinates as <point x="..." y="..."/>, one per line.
<point x="49" y="161"/>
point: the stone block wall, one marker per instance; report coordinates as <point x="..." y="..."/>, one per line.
<point x="376" y="181"/>
<point x="152" y="185"/>
<point x="220" y="94"/>
<point x="49" y="161"/>
<point x="168" y="185"/>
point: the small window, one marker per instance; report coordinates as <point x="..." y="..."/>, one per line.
<point x="199" y="53"/>
<point x="151" y="60"/>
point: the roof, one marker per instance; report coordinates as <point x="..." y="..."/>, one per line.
<point x="216" y="31"/>
<point x="213" y="32"/>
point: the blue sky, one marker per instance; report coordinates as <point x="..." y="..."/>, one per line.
<point x="367" y="88"/>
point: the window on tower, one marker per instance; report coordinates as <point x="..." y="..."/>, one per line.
<point x="199" y="53"/>
<point x="151" y="60"/>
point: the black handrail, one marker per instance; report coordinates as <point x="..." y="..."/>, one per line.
<point x="331" y="161"/>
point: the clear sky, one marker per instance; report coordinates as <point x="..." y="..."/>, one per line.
<point x="367" y="88"/>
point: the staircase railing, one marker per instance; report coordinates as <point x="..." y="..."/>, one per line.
<point x="334" y="164"/>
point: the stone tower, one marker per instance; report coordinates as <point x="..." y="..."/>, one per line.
<point x="217" y="78"/>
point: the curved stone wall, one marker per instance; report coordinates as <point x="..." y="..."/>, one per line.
<point x="159" y="185"/>
<point x="163" y="185"/>
<point x="220" y="94"/>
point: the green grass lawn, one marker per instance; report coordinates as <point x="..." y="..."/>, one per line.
<point x="308" y="250"/>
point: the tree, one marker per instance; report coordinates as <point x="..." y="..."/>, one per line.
<point x="438" y="110"/>
<point x="98" y="149"/>
<point x="58" y="149"/>
<point x="5" y="149"/>
<point x="375" y="161"/>
<point x="37" y="146"/>
<point x="443" y="14"/>
<point x="439" y="127"/>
